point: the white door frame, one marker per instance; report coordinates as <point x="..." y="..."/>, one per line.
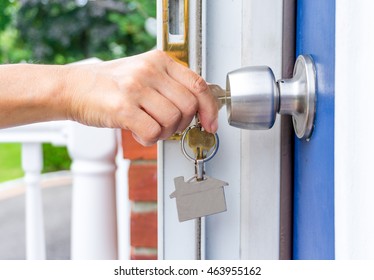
<point x="235" y="33"/>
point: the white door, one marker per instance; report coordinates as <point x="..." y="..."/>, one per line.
<point x="234" y="34"/>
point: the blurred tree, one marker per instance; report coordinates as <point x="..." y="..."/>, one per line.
<point x="63" y="31"/>
<point x="6" y="16"/>
<point x="9" y="50"/>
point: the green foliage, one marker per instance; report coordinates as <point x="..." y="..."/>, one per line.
<point x="10" y="162"/>
<point x="55" y="158"/>
<point x="63" y="31"/>
<point x="10" y="49"/>
<point x="5" y="6"/>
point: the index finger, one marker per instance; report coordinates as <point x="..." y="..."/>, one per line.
<point x="207" y="106"/>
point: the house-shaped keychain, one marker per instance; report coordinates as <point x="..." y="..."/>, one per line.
<point x="199" y="198"/>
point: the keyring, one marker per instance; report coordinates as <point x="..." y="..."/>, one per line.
<point x="183" y="147"/>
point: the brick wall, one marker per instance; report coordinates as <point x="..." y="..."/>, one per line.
<point x="143" y="196"/>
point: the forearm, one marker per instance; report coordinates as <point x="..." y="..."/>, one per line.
<point x="149" y="94"/>
<point x="31" y="93"/>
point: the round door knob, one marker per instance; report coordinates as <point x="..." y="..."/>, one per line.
<point x="253" y="97"/>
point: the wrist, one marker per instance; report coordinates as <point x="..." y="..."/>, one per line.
<point x="78" y="81"/>
<point x="30" y="93"/>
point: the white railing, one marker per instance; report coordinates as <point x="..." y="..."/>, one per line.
<point x="94" y="216"/>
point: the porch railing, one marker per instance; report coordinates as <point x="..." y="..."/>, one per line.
<point x="95" y="157"/>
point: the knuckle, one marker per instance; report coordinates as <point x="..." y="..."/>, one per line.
<point x="199" y="85"/>
<point x="161" y="58"/>
<point x="173" y="119"/>
<point x="151" y="134"/>
<point x="161" y="55"/>
<point x="122" y="111"/>
<point x="168" y="61"/>
<point x="158" y="53"/>
<point x="191" y="107"/>
<point x="146" y="68"/>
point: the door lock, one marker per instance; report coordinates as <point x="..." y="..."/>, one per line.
<point x="254" y="97"/>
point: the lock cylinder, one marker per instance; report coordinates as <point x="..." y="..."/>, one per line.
<point x="254" y="97"/>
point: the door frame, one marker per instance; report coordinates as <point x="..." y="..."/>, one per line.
<point x="234" y="34"/>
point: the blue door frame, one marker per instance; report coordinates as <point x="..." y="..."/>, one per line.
<point x="314" y="160"/>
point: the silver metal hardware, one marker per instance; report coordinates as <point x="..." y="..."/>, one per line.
<point x="201" y="195"/>
<point x="199" y="169"/>
<point x="253" y="97"/>
<point x="219" y="93"/>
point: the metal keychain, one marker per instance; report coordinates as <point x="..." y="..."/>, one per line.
<point x="201" y="195"/>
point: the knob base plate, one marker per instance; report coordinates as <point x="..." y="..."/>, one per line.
<point x="303" y="121"/>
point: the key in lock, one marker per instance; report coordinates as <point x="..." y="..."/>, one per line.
<point x="253" y="97"/>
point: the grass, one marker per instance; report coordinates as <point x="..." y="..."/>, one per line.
<point x="55" y="158"/>
<point x="10" y="162"/>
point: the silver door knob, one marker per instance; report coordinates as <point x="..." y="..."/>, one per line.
<point x="253" y="97"/>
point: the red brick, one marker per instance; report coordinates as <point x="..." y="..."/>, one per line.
<point x="143" y="257"/>
<point x="135" y="151"/>
<point x="144" y="230"/>
<point x="143" y="182"/>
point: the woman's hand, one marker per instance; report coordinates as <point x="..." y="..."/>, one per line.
<point x="149" y="94"/>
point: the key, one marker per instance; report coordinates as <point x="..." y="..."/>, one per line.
<point x="222" y="97"/>
<point x="220" y="94"/>
<point x="197" y="199"/>
<point x="201" y="195"/>
<point x="200" y="141"/>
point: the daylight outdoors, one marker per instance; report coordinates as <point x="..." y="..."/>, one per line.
<point x="65" y="31"/>
<point x="57" y="32"/>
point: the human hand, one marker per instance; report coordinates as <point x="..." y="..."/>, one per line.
<point x="149" y="94"/>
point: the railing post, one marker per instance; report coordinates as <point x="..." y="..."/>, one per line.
<point x="94" y="224"/>
<point x="123" y="204"/>
<point x="32" y="164"/>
